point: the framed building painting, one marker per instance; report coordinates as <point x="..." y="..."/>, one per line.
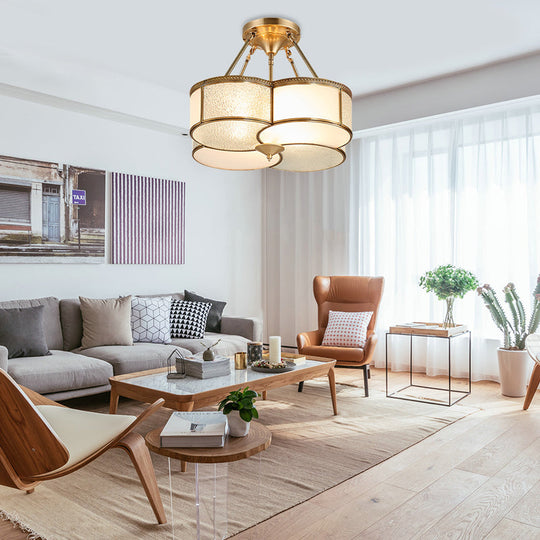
<point x="51" y="212"/>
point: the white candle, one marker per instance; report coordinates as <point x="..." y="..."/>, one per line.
<point x="275" y="349"/>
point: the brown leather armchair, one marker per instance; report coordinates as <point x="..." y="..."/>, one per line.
<point x="344" y="293"/>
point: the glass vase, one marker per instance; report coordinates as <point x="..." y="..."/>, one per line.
<point x="449" y="317"/>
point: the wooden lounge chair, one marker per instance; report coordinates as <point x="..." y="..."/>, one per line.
<point x="41" y="440"/>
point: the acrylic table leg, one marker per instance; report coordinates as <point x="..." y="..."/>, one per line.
<point x="211" y="500"/>
<point x="332" y="383"/>
<point x="197" y="502"/>
<point x="171" y="497"/>
<point x="113" y="405"/>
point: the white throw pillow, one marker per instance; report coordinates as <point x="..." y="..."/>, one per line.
<point x="346" y="329"/>
<point x="150" y="319"/>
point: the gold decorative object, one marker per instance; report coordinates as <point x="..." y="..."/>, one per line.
<point x="296" y="124"/>
<point x="240" y="360"/>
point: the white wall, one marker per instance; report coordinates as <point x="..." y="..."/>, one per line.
<point x="490" y="84"/>
<point x="223" y="224"/>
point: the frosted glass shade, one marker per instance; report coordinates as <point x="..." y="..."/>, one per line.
<point x="309" y="157"/>
<point x="227" y="113"/>
<point x="309" y="111"/>
<point x="233" y="161"/>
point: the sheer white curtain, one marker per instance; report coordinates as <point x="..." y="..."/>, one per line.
<point x="309" y="230"/>
<point x="464" y="189"/>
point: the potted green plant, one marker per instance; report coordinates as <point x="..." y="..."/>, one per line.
<point x="447" y="282"/>
<point x="240" y="408"/>
<point x="514" y="362"/>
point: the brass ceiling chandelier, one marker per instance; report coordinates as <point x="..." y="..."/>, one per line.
<point x="296" y="124"/>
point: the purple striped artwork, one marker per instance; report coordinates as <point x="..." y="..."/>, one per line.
<point x="148" y="220"/>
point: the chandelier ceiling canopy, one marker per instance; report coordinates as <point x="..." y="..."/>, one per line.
<point x="239" y="122"/>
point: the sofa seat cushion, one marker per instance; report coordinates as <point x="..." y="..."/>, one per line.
<point x="58" y="372"/>
<point x="138" y="357"/>
<point x="341" y="354"/>
<point x="228" y="345"/>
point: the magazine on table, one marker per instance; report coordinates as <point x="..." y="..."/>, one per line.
<point x="198" y="429"/>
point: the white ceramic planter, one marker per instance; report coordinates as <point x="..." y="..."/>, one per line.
<point x="237" y="426"/>
<point x="515" y="371"/>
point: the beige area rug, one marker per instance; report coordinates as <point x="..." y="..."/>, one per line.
<point x="311" y="451"/>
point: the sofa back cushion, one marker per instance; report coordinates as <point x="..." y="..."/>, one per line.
<point x="70" y="315"/>
<point x="51" y="318"/>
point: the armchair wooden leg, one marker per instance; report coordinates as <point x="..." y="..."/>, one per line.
<point x="134" y="445"/>
<point x="533" y="385"/>
<point x="300" y="386"/>
<point x="366" y="389"/>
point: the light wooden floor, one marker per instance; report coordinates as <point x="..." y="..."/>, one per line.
<point x="477" y="478"/>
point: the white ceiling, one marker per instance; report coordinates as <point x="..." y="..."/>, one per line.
<point x="369" y="45"/>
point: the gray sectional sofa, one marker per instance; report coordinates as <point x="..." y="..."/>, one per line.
<point x="69" y="371"/>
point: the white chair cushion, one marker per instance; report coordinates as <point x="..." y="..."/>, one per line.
<point x="83" y="432"/>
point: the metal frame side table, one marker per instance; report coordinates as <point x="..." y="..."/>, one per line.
<point x="449" y="390"/>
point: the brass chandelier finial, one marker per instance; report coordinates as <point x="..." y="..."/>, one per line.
<point x="242" y="123"/>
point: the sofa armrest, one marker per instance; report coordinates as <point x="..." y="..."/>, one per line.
<point x="308" y="339"/>
<point x="3" y="358"/>
<point x="248" y="327"/>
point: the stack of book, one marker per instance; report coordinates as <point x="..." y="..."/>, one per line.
<point x="195" y="366"/>
<point x="201" y="429"/>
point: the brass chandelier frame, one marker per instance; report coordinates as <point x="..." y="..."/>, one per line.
<point x="270" y="35"/>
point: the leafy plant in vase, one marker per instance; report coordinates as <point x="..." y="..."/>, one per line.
<point x="448" y="282"/>
<point x="514" y="362"/>
<point x="240" y="408"/>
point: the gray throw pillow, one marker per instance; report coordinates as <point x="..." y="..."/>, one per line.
<point x="213" y="323"/>
<point x="21" y="331"/>
<point x="106" y="321"/>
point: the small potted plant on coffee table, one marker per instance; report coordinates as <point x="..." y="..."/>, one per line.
<point x="447" y="282"/>
<point x="239" y="407"/>
<point x="514" y="361"/>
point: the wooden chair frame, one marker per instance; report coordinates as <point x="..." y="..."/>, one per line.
<point x="535" y="375"/>
<point x="57" y="454"/>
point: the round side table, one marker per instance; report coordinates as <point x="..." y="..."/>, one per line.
<point x="235" y="449"/>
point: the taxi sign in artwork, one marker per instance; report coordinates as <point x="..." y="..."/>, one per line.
<point x="78" y="196"/>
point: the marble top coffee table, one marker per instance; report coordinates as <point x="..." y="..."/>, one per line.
<point x="191" y="393"/>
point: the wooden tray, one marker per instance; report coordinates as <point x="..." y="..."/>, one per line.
<point x="428" y="329"/>
<point x="296" y="359"/>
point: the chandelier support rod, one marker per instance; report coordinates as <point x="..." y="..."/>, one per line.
<point x="248" y="58"/>
<point x="289" y="58"/>
<point x="238" y="56"/>
<point x="270" y="67"/>
<point x="303" y="56"/>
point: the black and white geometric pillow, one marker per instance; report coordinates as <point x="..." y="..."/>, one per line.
<point x="150" y="319"/>
<point x="188" y="319"/>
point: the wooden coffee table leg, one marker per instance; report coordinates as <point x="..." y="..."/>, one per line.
<point x="183" y="466"/>
<point x="113" y="406"/>
<point x="332" y="383"/>
<point x="264" y="394"/>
